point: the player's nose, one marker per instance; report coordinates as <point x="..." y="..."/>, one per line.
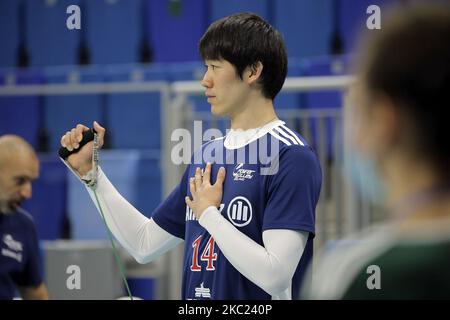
<point x="26" y="191"/>
<point x="207" y="80"/>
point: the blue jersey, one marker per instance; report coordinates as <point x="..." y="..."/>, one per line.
<point x="279" y="190"/>
<point x="19" y="255"/>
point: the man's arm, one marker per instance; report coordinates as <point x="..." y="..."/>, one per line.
<point x="39" y="292"/>
<point x="141" y="236"/>
<point x="271" y="266"/>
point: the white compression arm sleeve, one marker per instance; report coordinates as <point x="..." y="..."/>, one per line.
<point x="272" y="266"/>
<point x="139" y="235"/>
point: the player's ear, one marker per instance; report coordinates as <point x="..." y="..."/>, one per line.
<point x="253" y="72"/>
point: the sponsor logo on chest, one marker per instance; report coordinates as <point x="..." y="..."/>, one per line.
<point x="242" y="174"/>
<point x="239" y="211"/>
<point x="12" y="248"/>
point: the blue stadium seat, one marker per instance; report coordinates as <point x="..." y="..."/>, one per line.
<point x="135" y="174"/>
<point x="113" y="30"/>
<point x="352" y="19"/>
<point x="220" y="8"/>
<point x="48" y="39"/>
<point x="305" y="25"/>
<point x="63" y="112"/>
<point x="21" y="115"/>
<point x="9" y="32"/>
<point x="48" y="203"/>
<point x="288" y="100"/>
<point x="175" y="28"/>
<point x="134" y="119"/>
<point x="326" y="66"/>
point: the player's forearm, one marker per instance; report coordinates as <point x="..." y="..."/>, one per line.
<point x="272" y="266"/>
<point x="141" y="236"/>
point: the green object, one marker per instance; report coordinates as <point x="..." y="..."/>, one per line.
<point x="175" y="8"/>
<point x="416" y="270"/>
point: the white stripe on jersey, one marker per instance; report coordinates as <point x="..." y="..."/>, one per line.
<point x="272" y="132"/>
<point x="293" y="134"/>
<point x="282" y="132"/>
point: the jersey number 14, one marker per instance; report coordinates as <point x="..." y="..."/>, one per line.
<point x="208" y="255"/>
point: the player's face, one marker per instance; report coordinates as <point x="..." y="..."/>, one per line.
<point x="224" y="90"/>
<point x="16" y="176"/>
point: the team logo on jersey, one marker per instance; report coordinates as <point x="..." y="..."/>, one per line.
<point x="202" y="292"/>
<point x="14" y="248"/>
<point x="240" y="174"/>
<point x="240" y="211"/>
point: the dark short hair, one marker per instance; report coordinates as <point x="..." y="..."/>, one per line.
<point x="408" y="60"/>
<point x="243" y="39"/>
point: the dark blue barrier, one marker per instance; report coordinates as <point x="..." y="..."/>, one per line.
<point x="142" y="287"/>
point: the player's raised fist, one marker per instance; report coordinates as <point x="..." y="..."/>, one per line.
<point x="81" y="161"/>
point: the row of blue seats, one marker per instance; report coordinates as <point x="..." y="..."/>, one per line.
<point x="132" y="119"/>
<point x="61" y="207"/>
<point x="114" y="31"/>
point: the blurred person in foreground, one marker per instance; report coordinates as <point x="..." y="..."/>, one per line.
<point x="399" y="134"/>
<point x="20" y="267"/>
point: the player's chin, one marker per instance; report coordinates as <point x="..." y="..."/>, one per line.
<point x="217" y="111"/>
